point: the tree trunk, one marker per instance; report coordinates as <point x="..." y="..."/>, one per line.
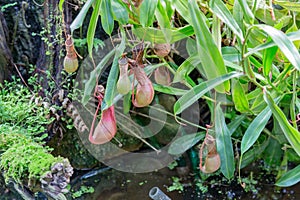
<point x="5" y="54"/>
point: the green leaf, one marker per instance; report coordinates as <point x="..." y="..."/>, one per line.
<point x="120" y="12"/>
<point x="126" y="103"/>
<point x="78" y="21"/>
<point x="254" y="129"/>
<point x="186" y="68"/>
<point x="91" y="83"/>
<point x="285" y="45"/>
<point x="92" y="28"/>
<point x="209" y="54"/>
<point x="272" y="155"/>
<point x="293" y="36"/>
<point x="155" y="35"/>
<point x="191" y="46"/>
<point x="183" y="143"/>
<point x="107" y="20"/>
<point x="248" y="15"/>
<point x="198" y="91"/>
<point x="239" y="97"/>
<point x="292" y="134"/>
<point x="292" y="6"/>
<point x="235" y="123"/>
<point x="147" y="10"/>
<point x="219" y="9"/>
<point x="182" y="9"/>
<point x="231" y="54"/>
<point x="113" y="74"/>
<point x="162" y="16"/>
<point x="292" y="177"/>
<point x="224" y="144"/>
<point x="253" y="154"/>
<point x="269" y="55"/>
<point x="168" y="89"/>
<point x="60" y="5"/>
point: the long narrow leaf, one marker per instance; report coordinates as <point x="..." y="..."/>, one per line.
<point x="107" y="19"/>
<point x="292" y="134"/>
<point x="293" y="36"/>
<point x="155" y="35"/>
<point x="120" y="12"/>
<point x="91" y="83"/>
<point x="182" y="9"/>
<point x="169" y="90"/>
<point x="239" y="97"/>
<point x="209" y="54"/>
<point x="162" y="16"/>
<point x="224" y="144"/>
<point x="219" y="9"/>
<point x="292" y="177"/>
<point x="284" y="44"/>
<point x="113" y="75"/>
<point x="78" y="21"/>
<point x="269" y="55"/>
<point x="182" y="144"/>
<point x="248" y="15"/>
<point x="254" y="129"/>
<point x="292" y="6"/>
<point x="92" y="28"/>
<point x="147" y="10"/>
<point x="198" y="91"/>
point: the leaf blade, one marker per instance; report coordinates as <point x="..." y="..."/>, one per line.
<point x="290" y="178"/>
<point x="254" y="129"/>
<point x="182" y="144"/>
<point x="284" y="44"/>
<point x="91" y="83"/>
<point x="113" y="75"/>
<point x="198" y="91"/>
<point x="78" y="21"/>
<point x="107" y="19"/>
<point x="209" y="54"/>
<point x="224" y="144"/>
<point x="291" y="134"/>
<point x="92" y="28"/>
<point x="219" y="9"/>
<point x="147" y="11"/>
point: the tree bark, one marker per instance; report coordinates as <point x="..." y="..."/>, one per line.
<point x="5" y="54"/>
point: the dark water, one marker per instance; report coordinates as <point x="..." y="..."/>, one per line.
<point x="115" y="185"/>
<point x="110" y="184"/>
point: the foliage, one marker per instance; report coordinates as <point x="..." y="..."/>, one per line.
<point x="23" y="158"/>
<point x="246" y="53"/>
<point x="83" y="190"/>
<point x="23" y="123"/>
<point x="19" y="109"/>
<point x="176" y="185"/>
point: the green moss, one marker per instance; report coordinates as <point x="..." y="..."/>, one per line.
<point x="19" y="109"/>
<point x="24" y="158"/>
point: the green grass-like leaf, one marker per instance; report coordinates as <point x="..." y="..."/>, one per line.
<point x="219" y="9"/>
<point x="198" y="91"/>
<point x="224" y="144"/>
<point x="292" y="134"/>
<point x="92" y="28"/>
<point x="209" y="54"/>
<point x="292" y="177"/>
<point x="78" y="21"/>
<point x="147" y="11"/>
<point x="107" y="19"/>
